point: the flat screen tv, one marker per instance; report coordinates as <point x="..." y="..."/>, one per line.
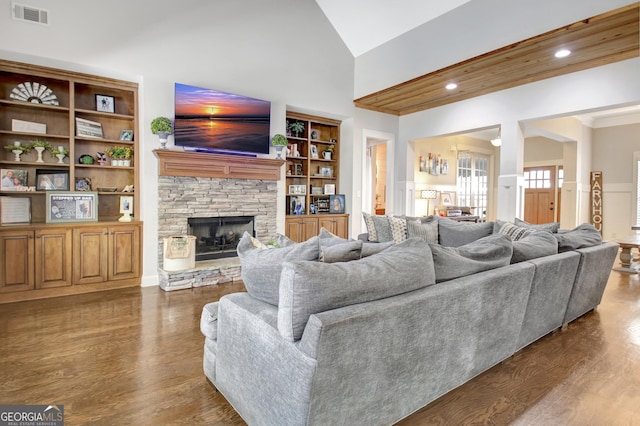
<point x="215" y="121"/>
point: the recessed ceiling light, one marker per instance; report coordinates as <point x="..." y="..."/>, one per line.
<point x="562" y="53"/>
<point x="451" y="86"/>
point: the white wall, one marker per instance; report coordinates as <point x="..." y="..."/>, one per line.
<point x="284" y="51"/>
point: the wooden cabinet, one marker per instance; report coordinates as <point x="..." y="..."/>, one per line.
<point x="64" y="109"/>
<point x="313" y="166"/>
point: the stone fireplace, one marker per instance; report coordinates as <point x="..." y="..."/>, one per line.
<point x="219" y="189"/>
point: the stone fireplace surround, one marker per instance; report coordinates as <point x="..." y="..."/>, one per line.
<point x="211" y="185"/>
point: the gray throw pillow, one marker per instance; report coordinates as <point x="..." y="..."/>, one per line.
<point x="456" y="234"/>
<point x="582" y="236"/>
<point x="378" y="227"/>
<point x="534" y="245"/>
<point x="307" y="288"/>
<point x="428" y="231"/>
<point x="260" y="268"/>
<point x="344" y="252"/>
<point x="486" y="253"/>
<point x="549" y="227"/>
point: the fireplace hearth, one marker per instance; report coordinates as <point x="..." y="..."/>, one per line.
<point x="218" y="237"/>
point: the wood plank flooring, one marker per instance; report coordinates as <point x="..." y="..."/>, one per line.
<point x="134" y="356"/>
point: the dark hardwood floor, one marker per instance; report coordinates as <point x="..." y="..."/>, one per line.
<point x="134" y="356"/>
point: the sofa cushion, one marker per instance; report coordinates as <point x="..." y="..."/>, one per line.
<point x="344" y="252"/>
<point x="534" y="245"/>
<point x="261" y="267"/>
<point x="398" y="228"/>
<point x="369" y="249"/>
<point x="378" y="227"/>
<point x="456" y="234"/>
<point x="483" y="254"/>
<point x="514" y="231"/>
<point x="582" y="236"/>
<point x="549" y="227"/>
<point x="428" y="231"/>
<point x="209" y="320"/>
<point x="307" y="288"/>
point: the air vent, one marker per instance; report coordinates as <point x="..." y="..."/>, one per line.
<point x="23" y="12"/>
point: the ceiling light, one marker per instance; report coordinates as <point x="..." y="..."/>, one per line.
<point x="562" y="53"/>
<point x="451" y="86"/>
<point x="497" y="141"/>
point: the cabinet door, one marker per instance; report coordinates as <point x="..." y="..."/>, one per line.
<point x="301" y="228"/>
<point x="337" y="225"/>
<point x="90" y="255"/>
<point x="124" y="252"/>
<point x="16" y="267"/>
<point x="53" y="258"/>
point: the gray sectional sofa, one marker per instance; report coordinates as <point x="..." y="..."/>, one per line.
<point x="336" y="332"/>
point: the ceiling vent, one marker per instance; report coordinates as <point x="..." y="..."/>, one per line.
<point x="23" y="12"/>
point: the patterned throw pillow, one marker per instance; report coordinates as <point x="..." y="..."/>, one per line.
<point x="515" y="232"/>
<point x="378" y="227"/>
<point x="428" y="231"/>
<point x="398" y="228"/>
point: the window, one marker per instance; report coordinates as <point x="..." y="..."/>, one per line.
<point x="473" y="182"/>
<point x="537" y="179"/>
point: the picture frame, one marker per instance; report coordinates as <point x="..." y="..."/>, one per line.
<point x="298" y="189"/>
<point x="448" y="198"/>
<point x="337" y="204"/>
<point x="14" y="180"/>
<point x="297" y="205"/>
<point x="126" y="204"/>
<point x="88" y="128"/>
<point x="71" y="206"/>
<point x="329" y="189"/>
<point x="126" y="135"/>
<point x="316" y="190"/>
<point x="83" y="184"/>
<point x="52" y="180"/>
<point x="315" y="134"/>
<point x="105" y="103"/>
<point x="313" y="151"/>
<point x="326" y="171"/>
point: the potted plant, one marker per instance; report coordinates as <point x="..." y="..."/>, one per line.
<point x="39" y="146"/>
<point x="118" y="154"/>
<point x="279" y="141"/>
<point x="163" y="127"/>
<point x="60" y="153"/>
<point x="295" y="127"/>
<point x="18" y="149"/>
<point x="328" y="152"/>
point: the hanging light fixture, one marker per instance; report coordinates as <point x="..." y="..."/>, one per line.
<point x="498" y="139"/>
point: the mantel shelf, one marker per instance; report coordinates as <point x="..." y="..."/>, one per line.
<point x="202" y="164"/>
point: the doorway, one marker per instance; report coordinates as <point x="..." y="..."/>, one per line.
<point x="540" y="194"/>
<point x="377" y="182"/>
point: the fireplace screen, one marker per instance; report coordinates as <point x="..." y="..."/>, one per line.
<point x="218" y="237"/>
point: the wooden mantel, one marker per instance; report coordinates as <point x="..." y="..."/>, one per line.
<point x="203" y="164"/>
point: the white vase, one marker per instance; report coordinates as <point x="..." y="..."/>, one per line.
<point x="164" y="137"/>
<point x="40" y="150"/>
<point x="17" y="153"/>
<point x="126" y="163"/>
<point x="60" y="158"/>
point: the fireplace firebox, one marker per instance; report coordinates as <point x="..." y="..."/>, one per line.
<point x="218" y="237"/>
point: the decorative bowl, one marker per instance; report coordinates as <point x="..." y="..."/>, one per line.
<point x="107" y="189"/>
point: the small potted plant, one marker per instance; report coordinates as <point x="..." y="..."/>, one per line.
<point x="60" y="153"/>
<point x="117" y="154"/>
<point x="40" y="147"/>
<point x="328" y="152"/>
<point x="279" y="141"/>
<point x="295" y="127"/>
<point x="18" y="149"/>
<point x="163" y="127"/>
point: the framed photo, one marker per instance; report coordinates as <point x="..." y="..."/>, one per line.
<point x="14" y="180"/>
<point x="313" y="151"/>
<point x="297" y="189"/>
<point x="297" y="204"/>
<point x="52" y="180"/>
<point x="329" y="188"/>
<point x="105" y="103"/>
<point x="448" y="198"/>
<point x="83" y="184"/>
<point x="337" y="203"/>
<point x="88" y="129"/>
<point x="126" y="204"/>
<point x="316" y="190"/>
<point x="72" y="207"/>
<point x="126" y="135"/>
<point x="326" y="171"/>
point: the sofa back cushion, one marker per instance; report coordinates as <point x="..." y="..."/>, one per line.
<point x="456" y="234"/>
<point x="534" y="245"/>
<point x="261" y="267"/>
<point x="486" y="253"/>
<point x="307" y="288"/>
<point x="582" y="236"/>
<point x="549" y="227"/>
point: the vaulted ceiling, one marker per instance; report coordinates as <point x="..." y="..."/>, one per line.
<point x="596" y="41"/>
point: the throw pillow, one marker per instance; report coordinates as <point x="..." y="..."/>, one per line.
<point x="428" y="231"/>
<point x="486" y="253"/>
<point x="345" y="252"/>
<point x="582" y="236"/>
<point x="549" y="227"/>
<point x="307" y="288"/>
<point x="260" y="268"/>
<point x="515" y="232"/>
<point x="398" y="228"/>
<point x="378" y="228"/>
<point x="456" y="234"/>
<point x="534" y="245"/>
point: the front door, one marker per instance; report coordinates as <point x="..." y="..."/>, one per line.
<point x="539" y="194"/>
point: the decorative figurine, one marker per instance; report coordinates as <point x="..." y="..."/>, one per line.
<point x="102" y="158"/>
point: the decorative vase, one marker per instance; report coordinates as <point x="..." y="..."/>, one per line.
<point x="40" y="150"/>
<point x="60" y="158"/>
<point x="164" y="136"/>
<point x="17" y="153"/>
<point x="327" y="155"/>
<point x="279" y="149"/>
<point x="126" y="162"/>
